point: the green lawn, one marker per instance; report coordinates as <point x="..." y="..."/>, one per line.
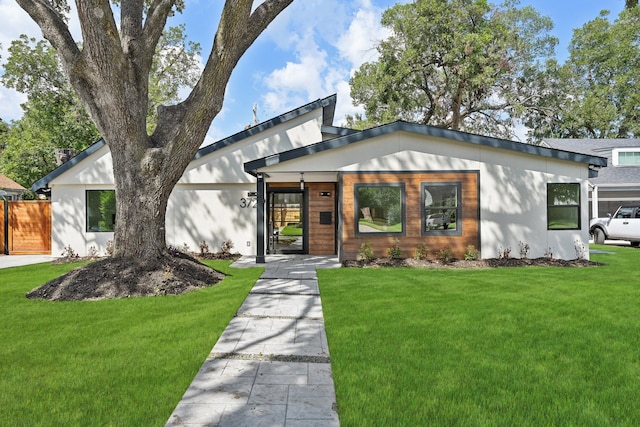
<point x="380" y="225"/>
<point x="120" y="362"/>
<point x="291" y="230"/>
<point x="496" y="347"/>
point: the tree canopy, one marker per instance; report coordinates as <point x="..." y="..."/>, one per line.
<point x="459" y="64"/>
<point x="596" y="93"/>
<point x="54" y="116"/>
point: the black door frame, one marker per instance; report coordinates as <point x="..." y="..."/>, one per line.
<point x="305" y="215"/>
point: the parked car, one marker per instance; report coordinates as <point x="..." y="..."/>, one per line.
<point x="623" y="225"/>
<point x="438" y="220"/>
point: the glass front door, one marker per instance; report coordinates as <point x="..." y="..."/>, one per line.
<point x="286" y="222"/>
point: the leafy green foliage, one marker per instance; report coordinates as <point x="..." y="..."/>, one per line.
<point x="53" y="115"/>
<point x="595" y="94"/>
<point x="459" y="64"/>
<point x="366" y="252"/>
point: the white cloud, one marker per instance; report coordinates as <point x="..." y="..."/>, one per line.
<point x="358" y="43"/>
<point x="324" y="56"/>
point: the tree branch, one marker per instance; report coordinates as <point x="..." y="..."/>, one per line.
<point x="54" y="29"/>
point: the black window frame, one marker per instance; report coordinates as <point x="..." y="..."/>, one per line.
<point x="87" y="222"/>
<point x="454" y="232"/>
<point x="357" y="210"/>
<point x="577" y="207"/>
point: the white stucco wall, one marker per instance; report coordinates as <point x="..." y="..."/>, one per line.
<point x="205" y="204"/>
<point x="513" y="186"/>
<point x="213" y="213"/>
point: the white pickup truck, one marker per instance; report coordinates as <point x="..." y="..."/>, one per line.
<point x="623" y="225"/>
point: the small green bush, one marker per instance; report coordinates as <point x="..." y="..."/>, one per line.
<point x="366" y="252"/>
<point x="395" y="251"/>
<point x="471" y="254"/>
<point x="444" y="255"/>
<point x="421" y="251"/>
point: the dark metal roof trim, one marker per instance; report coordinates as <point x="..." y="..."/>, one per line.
<point x="328" y="105"/>
<point x="253" y="166"/>
<point x="44" y="181"/>
<point x="337" y="131"/>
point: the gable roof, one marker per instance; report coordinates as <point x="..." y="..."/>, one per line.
<point x="7" y="183"/>
<point x="592" y="160"/>
<point x="327" y="104"/>
<point x="604" y="148"/>
<point x="43" y="182"/>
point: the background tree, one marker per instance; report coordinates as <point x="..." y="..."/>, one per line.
<point x="53" y="115"/>
<point x="459" y="64"/>
<point x="598" y="91"/>
<point x="110" y="74"/>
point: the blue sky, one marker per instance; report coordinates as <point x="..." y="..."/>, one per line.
<point x="309" y="52"/>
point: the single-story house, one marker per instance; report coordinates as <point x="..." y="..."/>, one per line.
<point x="619" y="183"/>
<point x="9" y="189"/>
<point x="298" y="184"/>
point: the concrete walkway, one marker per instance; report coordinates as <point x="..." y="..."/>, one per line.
<point x="271" y="366"/>
<point x="7" y="261"/>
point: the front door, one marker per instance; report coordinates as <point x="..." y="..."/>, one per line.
<point x="286" y="222"/>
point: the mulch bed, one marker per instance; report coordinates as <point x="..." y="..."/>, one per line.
<point x="482" y="263"/>
<point x="103" y="278"/>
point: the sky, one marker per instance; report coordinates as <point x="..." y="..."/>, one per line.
<point x="309" y="52"/>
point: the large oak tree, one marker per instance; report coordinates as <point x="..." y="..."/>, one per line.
<point x="110" y="73"/>
<point x="459" y="64"/>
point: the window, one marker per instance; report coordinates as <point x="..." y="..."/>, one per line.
<point x="563" y="206"/>
<point x="626" y="157"/>
<point x="379" y="208"/>
<point x="101" y="210"/>
<point x="441" y="208"/>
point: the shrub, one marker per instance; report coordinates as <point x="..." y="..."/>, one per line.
<point x="69" y="253"/>
<point x="444" y="255"/>
<point x="204" y="248"/>
<point x="109" y="249"/>
<point x="524" y="249"/>
<point x="471" y="254"/>
<point x="504" y="253"/>
<point x="421" y="251"/>
<point x="581" y="249"/>
<point x="366" y="252"/>
<point x="92" y="252"/>
<point x="394" y="251"/>
<point x="226" y="247"/>
<point x="184" y="248"/>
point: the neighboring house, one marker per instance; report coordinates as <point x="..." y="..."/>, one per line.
<point x="616" y="185"/>
<point x="298" y="184"/>
<point x="12" y="189"/>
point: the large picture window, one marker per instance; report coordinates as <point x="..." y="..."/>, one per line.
<point x="101" y="210"/>
<point x="563" y="206"/>
<point x="379" y="208"/>
<point x="441" y="208"/>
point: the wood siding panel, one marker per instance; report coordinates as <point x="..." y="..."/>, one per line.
<point x="29" y="227"/>
<point x="413" y="236"/>
<point x="322" y="237"/>
<point x="3" y="205"/>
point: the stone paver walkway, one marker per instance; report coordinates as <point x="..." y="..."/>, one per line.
<point x="271" y="365"/>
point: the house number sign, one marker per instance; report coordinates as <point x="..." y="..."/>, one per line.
<point x="248" y="202"/>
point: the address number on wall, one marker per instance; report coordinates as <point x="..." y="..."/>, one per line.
<point x="249" y="202"/>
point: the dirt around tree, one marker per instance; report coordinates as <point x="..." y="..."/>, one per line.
<point x="170" y="274"/>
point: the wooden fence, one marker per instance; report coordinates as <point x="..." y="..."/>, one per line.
<point x="26" y="227"/>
